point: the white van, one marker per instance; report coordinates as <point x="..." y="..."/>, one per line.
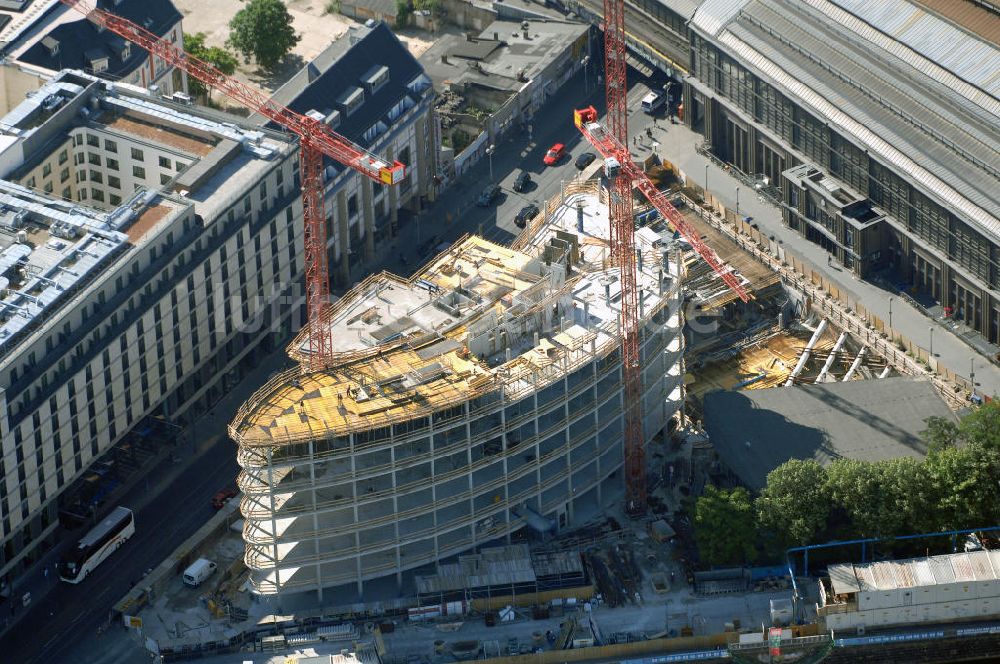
<point x="199" y="570"/>
<point x="652" y="102"/>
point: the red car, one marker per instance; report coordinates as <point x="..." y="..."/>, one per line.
<point x="555" y="154"/>
<point x="223" y="496"/>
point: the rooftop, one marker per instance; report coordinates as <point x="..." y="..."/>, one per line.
<point x="360" y="85"/>
<point x="755" y="431"/>
<point x="478" y="318"/>
<point x="500" y="58"/>
<point x="915" y="573"/>
<point x="66" y="39"/>
<point x="919" y="91"/>
<point x="50" y="248"/>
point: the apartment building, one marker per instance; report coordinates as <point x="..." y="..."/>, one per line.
<point x="46" y="36"/>
<point x="149" y="254"/>
<point x="367" y="87"/>
<point x="877" y="122"/>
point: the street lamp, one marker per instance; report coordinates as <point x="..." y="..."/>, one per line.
<point x="972" y="374"/>
<point x="586" y="77"/>
<point x="489" y="152"/>
<point x="706" y="181"/>
<point x="890" y="312"/>
<point x="931" y="330"/>
<point x="737" y="202"/>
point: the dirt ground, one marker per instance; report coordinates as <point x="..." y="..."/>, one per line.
<point x="316" y="28"/>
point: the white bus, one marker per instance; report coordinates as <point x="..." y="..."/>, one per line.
<point x="97" y="545"/>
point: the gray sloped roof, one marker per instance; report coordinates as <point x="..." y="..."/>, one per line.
<point x="867" y="420"/>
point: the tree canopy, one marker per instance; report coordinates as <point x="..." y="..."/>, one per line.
<point x="218" y="57"/>
<point x="263" y="30"/>
<point x="724" y="526"/>
<point x="954" y="487"/>
<point x="795" y="501"/>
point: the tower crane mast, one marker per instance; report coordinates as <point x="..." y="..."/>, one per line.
<point x="611" y="140"/>
<point x="316" y="139"/>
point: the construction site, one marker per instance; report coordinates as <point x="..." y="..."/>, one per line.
<point x="495" y="456"/>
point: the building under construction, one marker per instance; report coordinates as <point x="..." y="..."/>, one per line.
<point x="480" y="396"/>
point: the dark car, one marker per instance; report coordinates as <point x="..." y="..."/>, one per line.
<point x="223" y="496"/>
<point x="526" y="214"/>
<point x="488" y="195"/>
<point x="522" y="182"/>
<point x="585" y="160"/>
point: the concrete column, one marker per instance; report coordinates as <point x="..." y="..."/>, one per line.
<point x="368" y="216"/>
<point x="343" y="238"/>
<point x="392" y="194"/>
<point x="425" y="164"/>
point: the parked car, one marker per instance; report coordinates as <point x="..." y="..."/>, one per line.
<point x="523" y="181"/>
<point x="223" y="496"/>
<point x="555" y="154"/>
<point x="585" y="160"/>
<point x="488" y="195"/>
<point x="526" y="214"/>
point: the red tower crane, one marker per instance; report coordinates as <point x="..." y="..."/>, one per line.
<point x="315" y="140"/>
<point x="612" y="143"/>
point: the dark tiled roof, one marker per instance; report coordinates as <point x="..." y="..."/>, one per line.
<point x="77" y="39"/>
<point x="321" y="83"/>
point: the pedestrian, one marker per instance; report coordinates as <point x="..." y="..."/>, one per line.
<point x="649" y="132"/>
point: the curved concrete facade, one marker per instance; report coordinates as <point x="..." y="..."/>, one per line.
<point x="532" y="441"/>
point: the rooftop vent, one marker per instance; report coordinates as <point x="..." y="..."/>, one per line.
<point x="51" y="44"/>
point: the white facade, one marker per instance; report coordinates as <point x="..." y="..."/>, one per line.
<point x="159" y="327"/>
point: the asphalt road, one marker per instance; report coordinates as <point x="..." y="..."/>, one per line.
<point x="62" y="627"/>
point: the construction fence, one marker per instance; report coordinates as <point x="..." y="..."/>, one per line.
<point x="827" y="298"/>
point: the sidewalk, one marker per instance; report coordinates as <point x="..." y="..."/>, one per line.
<point x="678" y="145"/>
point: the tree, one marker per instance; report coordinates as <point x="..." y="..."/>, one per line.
<point x="963" y="484"/>
<point x="854" y="488"/>
<point x="980" y="426"/>
<point x="403" y="11"/>
<point x="724" y="526"/>
<point x="263" y="29"/>
<point x="218" y="57"/>
<point x="795" y="504"/>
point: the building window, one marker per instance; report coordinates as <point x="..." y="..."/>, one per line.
<point x="164" y="178"/>
<point x="139" y="172"/>
<point x="112" y="164"/>
<point x="96" y="176"/>
<point x="97" y="195"/>
<point x="164" y="162"/>
<point x="179" y="165"/>
<point x="30" y="184"/>
<point x="63" y="175"/>
<point x="115" y="199"/>
<point x="110" y="146"/>
<point x="93" y="159"/>
<point x="63" y="157"/>
<point x="137" y="154"/>
<point x="67" y="193"/>
<point x="46" y="170"/>
<point x="48" y="187"/>
<point x="93" y="141"/>
<point x="114" y="182"/>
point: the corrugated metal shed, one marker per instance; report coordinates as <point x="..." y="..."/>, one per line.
<point x="922" y="574"/>
<point x="843" y="579"/>
<point x="685" y="8"/>
<point x="712" y="15"/>
<point x="863" y="134"/>
<point x="970" y="58"/>
<point x="942" y="570"/>
<point x="981" y="566"/>
<point x="915" y="572"/>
